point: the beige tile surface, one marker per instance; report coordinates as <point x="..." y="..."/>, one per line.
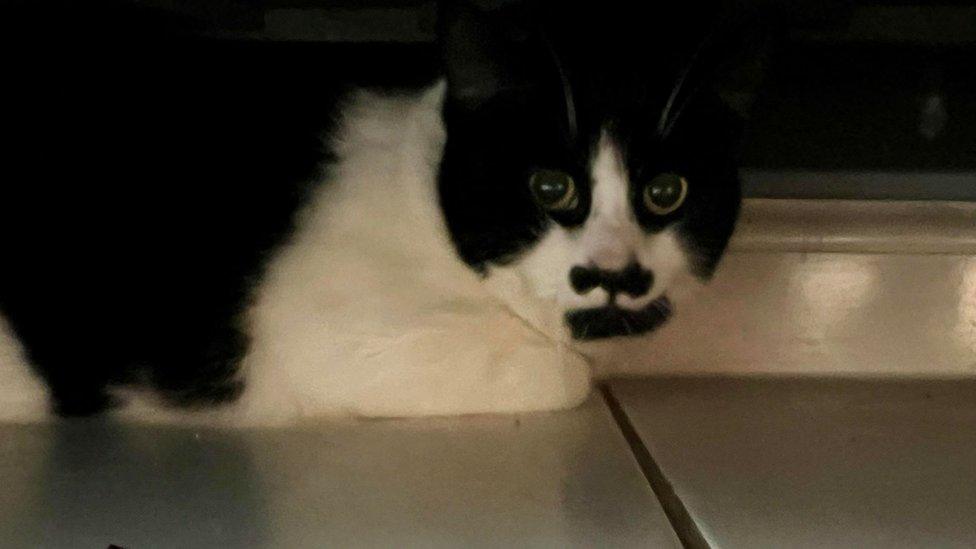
<point x="542" y="480"/>
<point x="817" y="313"/>
<point x="815" y="463"/>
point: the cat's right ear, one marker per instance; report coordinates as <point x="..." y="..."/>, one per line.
<point x="485" y="47"/>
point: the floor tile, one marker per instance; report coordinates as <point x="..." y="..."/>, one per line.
<point x="805" y="313"/>
<point x="555" y="480"/>
<point x="814" y="463"/>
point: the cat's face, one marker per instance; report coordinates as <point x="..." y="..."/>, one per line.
<point x="566" y="172"/>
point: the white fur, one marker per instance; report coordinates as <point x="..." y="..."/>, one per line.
<point x="610" y="239"/>
<point x="368" y="311"/>
<point x="23" y="397"/>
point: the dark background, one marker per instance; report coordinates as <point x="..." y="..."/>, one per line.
<point x="859" y="99"/>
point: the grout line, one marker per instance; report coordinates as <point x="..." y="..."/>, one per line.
<point x="682" y="523"/>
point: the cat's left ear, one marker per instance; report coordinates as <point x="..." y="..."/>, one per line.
<point x="728" y="62"/>
<point x="739" y="71"/>
<point x="488" y="47"/>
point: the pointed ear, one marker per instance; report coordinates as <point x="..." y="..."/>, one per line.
<point x="739" y="71"/>
<point x="484" y="47"/>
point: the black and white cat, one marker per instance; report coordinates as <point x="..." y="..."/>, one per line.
<point x="227" y="232"/>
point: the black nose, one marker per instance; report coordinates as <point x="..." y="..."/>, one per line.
<point x="632" y="280"/>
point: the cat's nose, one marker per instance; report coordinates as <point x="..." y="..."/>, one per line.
<point x="632" y="280"/>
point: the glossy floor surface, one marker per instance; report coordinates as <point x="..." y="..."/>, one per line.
<point x="556" y="480"/>
<point x="737" y="462"/>
<point x="827" y="288"/>
<point x="814" y="463"/>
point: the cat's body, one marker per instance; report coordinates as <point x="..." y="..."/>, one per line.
<point x="387" y="287"/>
<point x="198" y="263"/>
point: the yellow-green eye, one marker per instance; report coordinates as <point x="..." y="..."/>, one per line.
<point x="554" y="190"/>
<point x="665" y="193"/>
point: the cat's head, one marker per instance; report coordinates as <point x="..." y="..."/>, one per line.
<point x="590" y="153"/>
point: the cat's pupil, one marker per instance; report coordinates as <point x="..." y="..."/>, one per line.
<point x="665" y="193"/>
<point x="553" y="189"/>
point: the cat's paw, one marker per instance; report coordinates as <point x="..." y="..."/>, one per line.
<point x="544" y="376"/>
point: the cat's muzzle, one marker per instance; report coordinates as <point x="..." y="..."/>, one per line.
<point x="611" y="320"/>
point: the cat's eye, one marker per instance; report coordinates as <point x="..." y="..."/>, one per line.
<point x="665" y="193"/>
<point x="554" y="190"/>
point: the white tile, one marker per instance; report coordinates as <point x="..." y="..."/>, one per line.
<point x="553" y="480"/>
<point x="815" y="463"/>
<point x="817" y="313"/>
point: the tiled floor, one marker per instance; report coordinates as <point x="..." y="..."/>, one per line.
<point x="818" y="313"/>
<point x="815" y="463"/>
<point x="544" y="480"/>
<point x="749" y="463"/>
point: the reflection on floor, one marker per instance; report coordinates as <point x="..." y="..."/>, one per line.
<point x="559" y="480"/>
<point x="751" y="462"/>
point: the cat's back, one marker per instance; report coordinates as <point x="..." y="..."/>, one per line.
<point x="150" y="174"/>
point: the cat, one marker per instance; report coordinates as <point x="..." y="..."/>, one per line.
<point x="229" y="232"/>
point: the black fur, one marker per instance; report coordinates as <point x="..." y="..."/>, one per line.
<point x="150" y="172"/>
<point x="534" y="88"/>
<point x="633" y="280"/>
<point x="601" y="322"/>
<point x="148" y="175"/>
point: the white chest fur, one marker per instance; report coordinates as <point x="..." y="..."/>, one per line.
<point x="368" y="311"/>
